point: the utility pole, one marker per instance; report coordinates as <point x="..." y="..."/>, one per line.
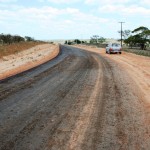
<point x="121" y="32"/>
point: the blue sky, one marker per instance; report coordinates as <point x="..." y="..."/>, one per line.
<point x="69" y="19"/>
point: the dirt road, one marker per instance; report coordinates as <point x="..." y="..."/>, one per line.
<point x="83" y="99"/>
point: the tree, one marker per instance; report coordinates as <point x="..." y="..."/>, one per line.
<point x="140" y="29"/>
<point x="101" y="40"/>
<point x="66" y="42"/>
<point x="132" y="40"/>
<point x="141" y="36"/>
<point x="95" y="39"/>
<point x="125" y="33"/>
<point x="17" y="39"/>
<point x="77" y="41"/>
<point x="29" y="39"/>
<point x="6" y="38"/>
<point x="69" y="42"/>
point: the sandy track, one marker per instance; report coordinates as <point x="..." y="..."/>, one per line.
<point x="83" y="99"/>
<point x="27" y="59"/>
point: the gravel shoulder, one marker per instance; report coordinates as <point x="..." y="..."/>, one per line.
<point x="82" y="99"/>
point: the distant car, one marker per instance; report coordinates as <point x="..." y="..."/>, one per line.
<point x="113" y="48"/>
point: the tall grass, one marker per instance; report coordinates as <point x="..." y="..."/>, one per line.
<point x="138" y="52"/>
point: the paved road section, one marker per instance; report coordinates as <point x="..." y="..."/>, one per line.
<point x="81" y="100"/>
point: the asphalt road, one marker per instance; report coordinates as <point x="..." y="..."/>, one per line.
<point x="79" y="100"/>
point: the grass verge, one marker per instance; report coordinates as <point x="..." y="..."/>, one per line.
<point x="138" y="52"/>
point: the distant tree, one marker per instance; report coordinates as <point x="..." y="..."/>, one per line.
<point x="125" y="33"/>
<point x="97" y="39"/>
<point x="77" y="41"/>
<point x="3" y="38"/>
<point x="101" y="40"/>
<point x="94" y="39"/>
<point x="9" y="38"/>
<point x="51" y="42"/>
<point x="17" y="39"/>
<point x="66" y="42"/>
<point x="29" y="39"/>
<point x="69" y="43"/>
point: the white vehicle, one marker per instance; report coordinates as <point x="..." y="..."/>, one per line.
<point x="113" y="48"/>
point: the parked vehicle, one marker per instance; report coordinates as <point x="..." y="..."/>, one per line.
<point x="113" y="48"/>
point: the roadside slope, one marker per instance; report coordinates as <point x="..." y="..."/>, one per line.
<point x="27" y="59"/>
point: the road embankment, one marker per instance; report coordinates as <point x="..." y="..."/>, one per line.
<point x="27" y="59"/>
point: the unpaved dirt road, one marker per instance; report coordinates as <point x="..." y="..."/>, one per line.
<point x="81" y="100"/>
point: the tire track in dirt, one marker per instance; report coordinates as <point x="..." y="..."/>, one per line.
<point x="128" y="112"/>
<point x="120" y="121"/>
<point x="101" y="133"/>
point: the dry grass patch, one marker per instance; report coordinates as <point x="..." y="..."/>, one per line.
<point x="16" y="47"/>
<point x="138" y="52"/>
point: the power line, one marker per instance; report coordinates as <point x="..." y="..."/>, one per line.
<point x="121" y="31"/>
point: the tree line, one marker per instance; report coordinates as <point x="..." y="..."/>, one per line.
<point x="95" y="39"/>
<point x="138" y="37"/>
<point x="76" y="41"/>
<point x="9" y="39"/>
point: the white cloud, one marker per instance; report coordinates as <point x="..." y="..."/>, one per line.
<point x="145" y="2"/>
<point x="60" y="1"/>
<point x="122" y="9"/>
<point x="50" y="20"/>
<point x="68" y="21"/>
<point x="105" y="2"/>
<point x="50" y="13"/>
<point x="7" y="1"/>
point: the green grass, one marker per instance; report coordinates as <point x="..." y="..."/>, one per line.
<point x="138" y="52"/>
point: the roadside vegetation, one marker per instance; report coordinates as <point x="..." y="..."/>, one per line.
<point x="95" y="40"/>
<point x="139" y="38"/>
<point x="138" y="52"/>
<point x="137" y="41"/>
<point x="76" y="41"/>
<point x="10" y="44"/>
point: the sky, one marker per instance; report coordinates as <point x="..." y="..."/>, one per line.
<point x="71" y="19"/>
